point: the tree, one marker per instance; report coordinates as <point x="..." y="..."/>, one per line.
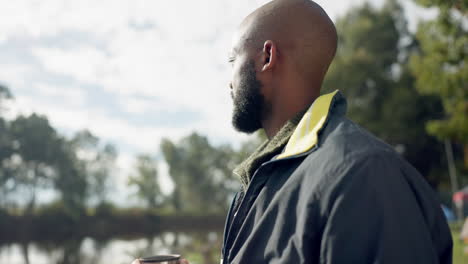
<point x="36" y="145"/>
<point x="6" y="149"/>
<point x="371" y="69"/>
<point x="5" y="94"/>
<point x="98" y="163"/>
<point x="368" y="48"/>
<point x="44" y="159"/>
<point x="33" y="157"/>
<point x="71" y="180"/>
<point x="202" y="173"/>
<point x="7" y="180"/>
<point x="460" y="5"/>
<point x="441" y="68"/>
<point x="103" y="167"/>
<point x="146" y="181"/>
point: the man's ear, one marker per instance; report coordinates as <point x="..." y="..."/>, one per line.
<point x="269" y="55"/>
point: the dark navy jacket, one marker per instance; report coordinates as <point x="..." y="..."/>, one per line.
<point x="336" y="194"/>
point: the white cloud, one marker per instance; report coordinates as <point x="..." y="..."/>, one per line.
<point x="73" y="96"/>
<point x="140" y="106"/>
<point x="154" y="57"/>
<point x="13" y="75"/>
<point x="179" y="59"/>
<point x="102" y="125"/>
<point x="40" y="18"/>
<point x="84" y="63"/>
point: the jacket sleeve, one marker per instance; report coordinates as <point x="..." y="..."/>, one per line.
<point x="379" y="213"/>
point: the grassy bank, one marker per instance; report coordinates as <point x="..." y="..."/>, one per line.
<point x="459" y="255"/>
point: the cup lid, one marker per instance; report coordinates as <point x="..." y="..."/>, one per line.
<point x="159" y="258"/>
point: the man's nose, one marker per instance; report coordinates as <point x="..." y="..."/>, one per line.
<point x="230" y="85"/>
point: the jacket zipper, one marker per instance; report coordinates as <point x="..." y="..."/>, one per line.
<point x="228" y="224"/>
<point x="242" y="201"/>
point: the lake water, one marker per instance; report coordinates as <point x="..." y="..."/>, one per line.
<point x="198" y="247"/>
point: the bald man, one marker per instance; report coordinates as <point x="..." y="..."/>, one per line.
<point x="321" y="189"/>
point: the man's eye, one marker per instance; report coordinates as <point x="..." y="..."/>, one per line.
<point x="231" y="60"/>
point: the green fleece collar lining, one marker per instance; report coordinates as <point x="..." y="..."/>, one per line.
<point x="297" y="136"/>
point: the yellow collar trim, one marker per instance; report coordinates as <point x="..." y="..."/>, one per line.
<point x="305" y="135"/>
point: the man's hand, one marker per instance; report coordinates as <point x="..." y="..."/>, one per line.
<point x="182" y="261"/>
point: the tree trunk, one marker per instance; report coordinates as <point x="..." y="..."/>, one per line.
<point x="453" y="177"/>
<point x="466" y="155"/>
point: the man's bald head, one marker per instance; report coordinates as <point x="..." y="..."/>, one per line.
<point x="280" y="56"/>
<point x="301" y="29"/>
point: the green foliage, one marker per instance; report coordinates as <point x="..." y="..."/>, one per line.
<point x="460" y="5"/>
<point x="35" y="157"/>
<point x="35" y="151"/>
<point x="97" y="161"/>
<point x="146" y="181"/>
<point x="202" y="173"/>
<point x="40" y="146"/>
<point x="71" y="181"/>
<point x="459" y="247"/>
<point x="441" y="67"/>
<point x="368" y="50"/>
<point x="7" y="183"/>
<point x="371" y="69"/>
<point x="5" y="94"/>
<point x="105" y="209"/>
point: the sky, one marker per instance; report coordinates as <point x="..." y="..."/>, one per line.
<point x="130" y="71"/>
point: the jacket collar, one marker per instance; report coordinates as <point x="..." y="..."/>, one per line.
<point x="305" y="136"/>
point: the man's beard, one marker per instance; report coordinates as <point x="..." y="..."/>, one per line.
<point x="249" y="103"/>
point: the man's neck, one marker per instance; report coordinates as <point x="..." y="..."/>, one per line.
<point x="280" y="115"/>
<point x="272" y="126"/>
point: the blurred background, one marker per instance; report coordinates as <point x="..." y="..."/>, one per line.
<point x="115" y="134"/>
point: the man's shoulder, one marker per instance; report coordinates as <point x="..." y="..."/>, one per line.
<point x="344" y="141"/>
<point x="347" y="152"/>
